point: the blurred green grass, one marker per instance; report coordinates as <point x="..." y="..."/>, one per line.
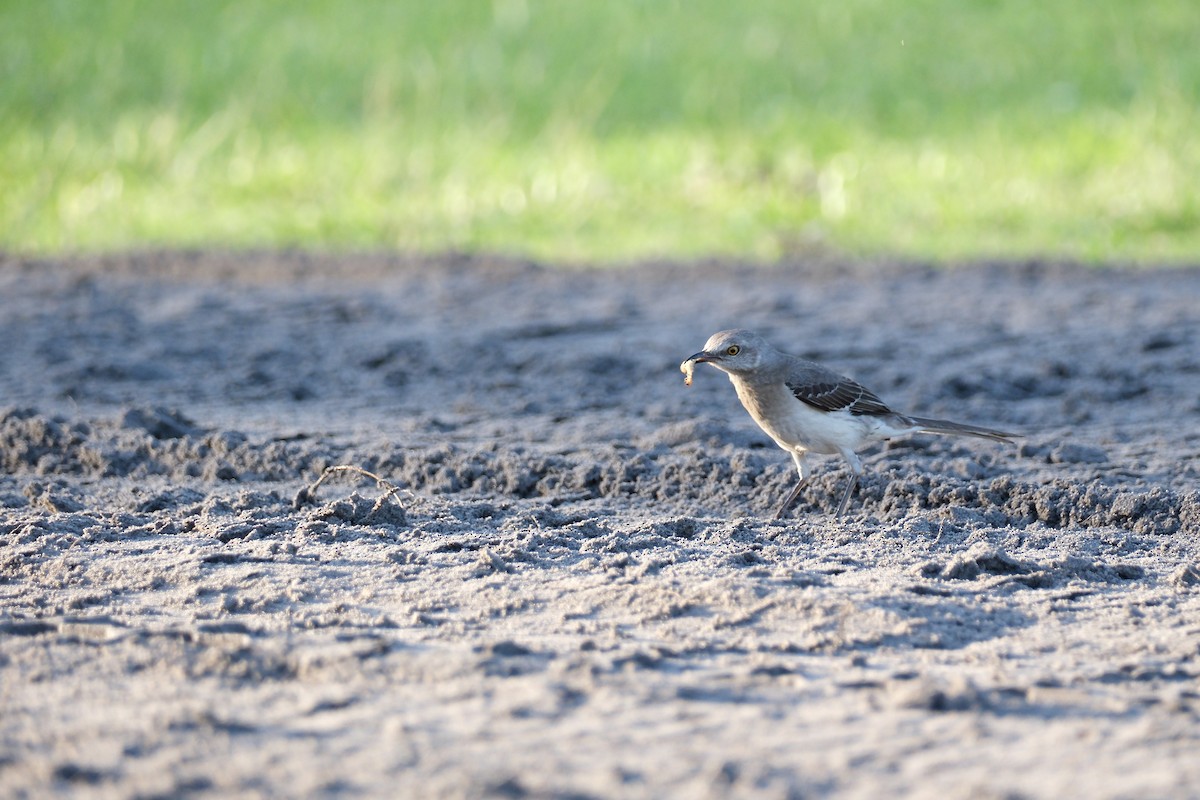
<point x="605" y="131"/>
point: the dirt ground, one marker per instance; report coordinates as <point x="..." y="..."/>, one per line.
<point x="578" y="590"/>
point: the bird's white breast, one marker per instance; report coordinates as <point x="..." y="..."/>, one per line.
<point x="797" y="426"/>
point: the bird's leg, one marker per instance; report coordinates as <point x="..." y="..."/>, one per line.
<point x="856" y="469"/>
<point x="846" y="497"/>
<point x="794" y="495"/>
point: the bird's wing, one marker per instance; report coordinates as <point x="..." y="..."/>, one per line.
<point x="826" y="390"/>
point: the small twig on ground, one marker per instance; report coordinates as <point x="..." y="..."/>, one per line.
<point x="308" y="495"/>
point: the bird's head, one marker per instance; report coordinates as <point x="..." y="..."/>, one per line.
<point x="737" y="351"/>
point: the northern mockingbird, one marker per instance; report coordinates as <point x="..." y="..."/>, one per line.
<point x="807" y="408"/>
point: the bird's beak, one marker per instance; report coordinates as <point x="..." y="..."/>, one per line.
<point x="702" y="357"/>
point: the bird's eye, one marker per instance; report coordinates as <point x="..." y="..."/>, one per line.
<point x="732" y="350"/>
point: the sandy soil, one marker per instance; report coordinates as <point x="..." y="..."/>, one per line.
<point x="579" y="591"/>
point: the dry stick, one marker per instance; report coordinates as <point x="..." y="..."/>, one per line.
<point x="309" y="494"/>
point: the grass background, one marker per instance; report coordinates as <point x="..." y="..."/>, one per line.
<point x="586" y="130"/>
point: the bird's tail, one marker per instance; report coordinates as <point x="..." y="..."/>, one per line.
<point x="945" y="426"/>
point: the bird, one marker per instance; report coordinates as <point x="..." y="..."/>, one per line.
<point x="806" y="407"/>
